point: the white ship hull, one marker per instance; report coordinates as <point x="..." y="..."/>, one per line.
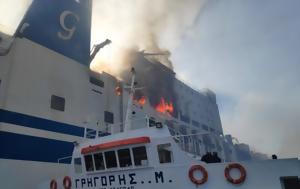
<point x="29" y="174"/>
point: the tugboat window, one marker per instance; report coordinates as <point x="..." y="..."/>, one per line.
<point x="99" y="162"/>
<point x="140" y="156"/>
<point x="77" y="165"/>
<point x="124" y="158"/>
<point x="291" y="182"/>
<point x="165" y="153"/>
<point x="110" y="159"/>
<point x="89" y="166"/>
<point x="58" y="103"/>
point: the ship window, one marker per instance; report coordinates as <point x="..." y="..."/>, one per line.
<point x="140" y="156"/>
<point x="291" y="182"/>
<point x="195" y="123"/>
<point x="89" y="166"/>
<point x="96" y="82"/>
<point x="99" y="162"/>
<point x="165" y="153"/>
<point x="110" y="159"/>
<point x="151" y="122"/>
<point x="77" y="165"/>
<point x="58" y="103"/>
<point x="124" y="158"/>
<point x="205" y="127"/>
<point x="108" y="117"/>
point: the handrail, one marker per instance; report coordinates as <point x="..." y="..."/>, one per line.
<point x="91" y="131"/>
<point x="59" y="159"/>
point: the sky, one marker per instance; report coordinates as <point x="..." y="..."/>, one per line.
<point x="246" y="51"/>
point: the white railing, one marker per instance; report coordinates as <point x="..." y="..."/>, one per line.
<point x="92" y="133"/>
<point x="190" y="143"/>
<point x="63" y="158"/>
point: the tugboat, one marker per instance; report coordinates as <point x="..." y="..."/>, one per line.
<point x="151" y="157"/>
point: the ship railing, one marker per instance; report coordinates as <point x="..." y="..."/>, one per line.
<point x="59" y="160"/>
<point x="90" y="133"/>
<point x="194" y="143"/>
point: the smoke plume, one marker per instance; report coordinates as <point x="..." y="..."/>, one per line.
<point x="152" y="26"/>
<point x="156" y="79"/>
<point x="143" y="33"/>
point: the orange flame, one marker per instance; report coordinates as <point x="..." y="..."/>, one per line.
<point x="118" y="90"/>
<point x="164" y="107"/>
<point x="141" y="101"/>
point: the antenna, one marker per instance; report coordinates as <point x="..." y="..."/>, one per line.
<point x="128" y="119"/>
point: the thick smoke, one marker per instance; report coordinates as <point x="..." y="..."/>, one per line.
<point x="155" y="79"/>
<point x="139" y="27"/>
<point x="153" y="26"/>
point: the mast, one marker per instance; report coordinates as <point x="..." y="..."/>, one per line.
<point x="128" y="119"/>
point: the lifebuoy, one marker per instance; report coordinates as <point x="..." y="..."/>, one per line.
<point x="203" y="171"/>
<point x="53" y="184"/>
<point x="235" y="166"/>
<point x="67" y="182"/>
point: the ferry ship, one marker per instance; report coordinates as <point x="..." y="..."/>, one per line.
<point x="51" y="102"/>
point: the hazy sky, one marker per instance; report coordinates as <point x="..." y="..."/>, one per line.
<point x="247" y="51"/>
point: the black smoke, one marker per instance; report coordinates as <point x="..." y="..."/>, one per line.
<point x="156" y="79"/>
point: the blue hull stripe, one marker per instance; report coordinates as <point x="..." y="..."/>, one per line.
<point x="39" y="123"/>
<point x="24" y="147"/>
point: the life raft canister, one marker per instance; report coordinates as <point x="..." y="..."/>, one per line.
<point x="67" y="182"/>
<point x="235" y="166"/>
<point x="53" y="184"/>
<point x="202" y="170"/>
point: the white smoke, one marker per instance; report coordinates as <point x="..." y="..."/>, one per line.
<point x="11" y="13"/>
<point x="140" y="24"/>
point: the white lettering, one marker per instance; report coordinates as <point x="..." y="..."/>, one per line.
<point x="69" y="31"/>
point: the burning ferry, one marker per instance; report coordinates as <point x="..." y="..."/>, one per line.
<point x="51" y="103"/>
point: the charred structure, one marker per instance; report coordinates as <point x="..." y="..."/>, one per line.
<point x="156" y="81"/>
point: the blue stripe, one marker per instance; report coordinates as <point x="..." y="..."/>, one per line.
<point x="39" y="123"/>
<point x="24" y="147"/>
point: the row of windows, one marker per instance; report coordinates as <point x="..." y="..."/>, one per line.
<point x="107" y="160"/>
<point x="122" y="158"/>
